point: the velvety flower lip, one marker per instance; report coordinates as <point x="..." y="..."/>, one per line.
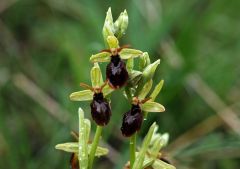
<point x="132" y="121"/>
<point x="100" y="109"/>
<point x="116" y="72"/>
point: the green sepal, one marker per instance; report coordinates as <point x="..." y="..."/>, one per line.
<point x="101" y="57"/>
<point x="156" y="164"/>
<point x="107" y="90"/>
<point x="157" y="90"/>
<point x="130" y="65"/>
<point x="149" y="71"/>
<point x="72" y="147"/>
<point x="140" y="157"/>
<point x="144" y="61"/>
<point x="134" y="77"/>
<point x="148" y="74"/>
<point x="150" y="106"/>
<point x="96" y="76"/>
<point x="84" y="95"/>
<point x="108" y="27"/>
<point x="121" y="24"/>
<point x="159" y="164"/>
<point x="145" y="90"/>
<point x="127" y="53"/>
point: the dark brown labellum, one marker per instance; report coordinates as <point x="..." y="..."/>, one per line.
<point x="74" y="164"/>
<point x="100" y="109"/>
<point x="116" y="72"/>
<point x="132" y="121"/>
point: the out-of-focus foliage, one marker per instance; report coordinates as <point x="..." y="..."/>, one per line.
<point x="45" y="48"/>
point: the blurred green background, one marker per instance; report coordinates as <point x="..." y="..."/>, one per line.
<point x="45" y="47"/>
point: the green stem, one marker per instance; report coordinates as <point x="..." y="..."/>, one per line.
<point x="132" y="150"/>
<point x="94" y="145"/>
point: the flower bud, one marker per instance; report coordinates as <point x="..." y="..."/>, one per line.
<point x="144" y="61"/>
<point x="121" y="24"/>
<point x="108" y="27"/>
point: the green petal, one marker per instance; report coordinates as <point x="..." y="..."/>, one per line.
<point x="84" y="95"/>
<point x="145" y="90"/>
<point x="152" y="107"/>
<point x="72" y="147"/>
<point x="129" y="53"/>
<point x="96" y="76"/>
<point x="157" y="90"/>
<point x="101" y="57"/>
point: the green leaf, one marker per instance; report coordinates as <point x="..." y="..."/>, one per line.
<point x="108" y="27"/>
<point x="101" y="57"/>
<point x="145" y="90"/>
<point x="72" y="147"/>
<point x="121" y="24"/>
<point x="140" y="157"/>
<point x="144" y="61"/>
<point x="158" y="164"/>
<point x="112" y="42"/>
<point x="127" y="53"/>
<point x="88" y="128"/>
<point x="84" y="95"/>
<point x="82" y="144"/>
<point x="134" y="78"/>
<point x="96" y="76"/>
<point x="157" y="90"/>
<point x="150" y="106"/>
